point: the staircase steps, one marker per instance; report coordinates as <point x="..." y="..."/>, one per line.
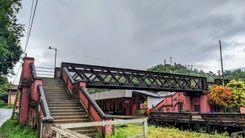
<point x="64" y="108"/>
<point x="71" y="120"/>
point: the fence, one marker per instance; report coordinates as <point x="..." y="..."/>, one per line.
<point x="45" y="72"/>
<point x="60" y="133"/>
<point x="106" y="123"/>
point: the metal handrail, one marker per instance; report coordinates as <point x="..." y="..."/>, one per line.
<point x="95" y="105"/>
<point x="67" y="133"/>
<point x="109" y="123"/>
<point x="42" y="98"/>
<point x="91" y="100"/>
<point x="44" y="105"/>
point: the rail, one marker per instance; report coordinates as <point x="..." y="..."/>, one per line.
<point x="41" y="97"/>
<point x="44" y="72"/>
<point x="60" y="133"/>
<point x="44" y="105"/>
<point x="106" y="123"/>
<point x="120" y="78"/>
<point x="91" y="100"/>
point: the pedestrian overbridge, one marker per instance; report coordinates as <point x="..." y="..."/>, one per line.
<point x="52" y="101"/>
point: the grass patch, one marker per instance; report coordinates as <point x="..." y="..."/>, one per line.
<point x="12" y="129"/>
<point x="160" y="132"/>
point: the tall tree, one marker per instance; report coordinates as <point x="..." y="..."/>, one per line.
<point x="238" y="92"/>
<point x="10" y="33"/>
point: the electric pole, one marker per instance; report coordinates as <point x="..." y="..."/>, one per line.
<point x="171" y="60"/>
<point x="221" y="61"/>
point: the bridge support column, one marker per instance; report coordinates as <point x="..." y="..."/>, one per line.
<point x="25" y="83"/>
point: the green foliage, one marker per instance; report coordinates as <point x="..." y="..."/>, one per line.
<point x="160" y="132"/>
<point x="2" y="104"/>
<point x="12" y="129"/>
<point x="238" y="92"/>
<point x="3" y="86"/>
<point x="10" y="33"/>
<point x="237" y="74"/>
<point x="180" y="69"/>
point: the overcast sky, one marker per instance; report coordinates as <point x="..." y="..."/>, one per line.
<point x="138" y="34"/>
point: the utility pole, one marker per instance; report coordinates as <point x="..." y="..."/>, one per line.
<point x="221" y="61"/>
<point x="171" y="60"/>
<point x="164" y="61"/>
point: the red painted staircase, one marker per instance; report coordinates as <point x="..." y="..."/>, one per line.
<point x="64" y="108"/>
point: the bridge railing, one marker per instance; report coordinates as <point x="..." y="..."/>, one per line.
<point x="78" y="89"/>
<point x="45" y="72"/>
<point x="120" y="78"/>
<point x="142" y="121"/>
<point x="60" y="133"/>
<point x="42" y="102"/>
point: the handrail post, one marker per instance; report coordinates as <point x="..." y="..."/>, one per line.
<point x="145" y="128"/>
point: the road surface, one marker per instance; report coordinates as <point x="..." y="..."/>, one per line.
<point x="5" y="114"/>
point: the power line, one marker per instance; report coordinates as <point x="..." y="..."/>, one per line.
<point x="32" y="16"/>
<point x="30" y="24"/>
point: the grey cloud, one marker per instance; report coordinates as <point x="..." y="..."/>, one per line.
<point x="135" y="34"/>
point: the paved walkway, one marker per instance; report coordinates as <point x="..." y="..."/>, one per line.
<point x="5" y="114"/>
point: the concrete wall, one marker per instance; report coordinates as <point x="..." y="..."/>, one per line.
<point x="190" y="103"/>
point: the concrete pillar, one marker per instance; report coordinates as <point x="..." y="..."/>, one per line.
<point x="25" y="82"/>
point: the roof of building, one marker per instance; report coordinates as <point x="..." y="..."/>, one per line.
<point x="111" y="94"/>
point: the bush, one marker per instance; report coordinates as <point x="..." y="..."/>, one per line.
<point x="238" y="92"/>
<point x="161" y="132"/>
<point x="12" y="129"/>
<point x="220" y="96"/>
<point x="2" y="104"/>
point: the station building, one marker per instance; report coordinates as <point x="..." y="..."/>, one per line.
<point x="135" y="102"/>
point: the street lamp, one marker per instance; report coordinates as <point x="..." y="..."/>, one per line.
<point x="55" y="56"/>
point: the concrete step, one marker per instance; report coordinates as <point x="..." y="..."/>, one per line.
<point x="70" y="117"/>
<point x="59" y="99"/>
<point x="63" y="104"/>
<point x="71" y="120"/>
<point x="65" y="100"/>
<point x="65" y="110"/>
<point x="67" y="113"/>
<point x="57" y="93"/>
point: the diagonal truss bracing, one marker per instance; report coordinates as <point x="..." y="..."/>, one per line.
<point x="120" y="78"/>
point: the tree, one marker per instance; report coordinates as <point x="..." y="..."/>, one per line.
<point x="220" y="97"/>
<point x="10" y="33"/>
<point x="3" y="86"/>
<point x="236" y="74"/>
<point x="183" y="70"/>
<point x="238" y="92"/>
